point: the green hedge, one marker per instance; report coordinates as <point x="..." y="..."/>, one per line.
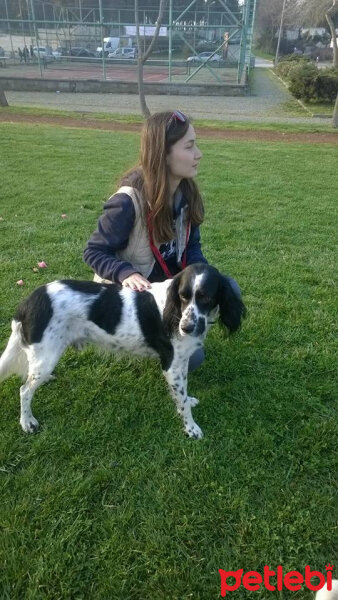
<point x="289" y="62"/>
<point x="327" y="85"/>
<point x="306" y="81"/>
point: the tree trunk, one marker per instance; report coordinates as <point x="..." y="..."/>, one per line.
<point x="144" y="108"/>
<point x="333" y="32"/>
<point x="335" y="114"/>
<point x="144" y="54"/>
<point x="3" y="99"/>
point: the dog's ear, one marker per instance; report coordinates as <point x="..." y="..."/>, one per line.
<point x="172" y="310"/>
<point x="231" y="307"/>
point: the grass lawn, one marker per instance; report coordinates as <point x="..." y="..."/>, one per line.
<point x="292" y="107"/>
<point x="110" y="500"/>
<point x="261" y="54"/>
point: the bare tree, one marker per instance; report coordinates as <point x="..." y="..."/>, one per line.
<point x="316" y="11"/>
<point x="269" y="17"/>
<point x="144" y="55"/>
<point x="335" y="114"/>
<point x="3" y="99"/>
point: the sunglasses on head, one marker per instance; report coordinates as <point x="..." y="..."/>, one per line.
<point x="178" y="116"/>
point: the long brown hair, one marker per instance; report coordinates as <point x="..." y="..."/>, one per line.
<point x="150" y="177"/>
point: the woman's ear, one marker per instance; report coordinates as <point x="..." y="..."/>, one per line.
<point x="231" y="307"/>
<point x="172" y="311"/>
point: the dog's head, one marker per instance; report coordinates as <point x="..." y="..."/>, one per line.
<point x="196" y="297"/>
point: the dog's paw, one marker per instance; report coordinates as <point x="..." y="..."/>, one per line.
<point x="192" y="401"/>
<point x="30" y="425"/>
<point x="194" y="431"/>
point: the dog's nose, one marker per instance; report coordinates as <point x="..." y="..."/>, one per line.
<point x="188" y="327"/>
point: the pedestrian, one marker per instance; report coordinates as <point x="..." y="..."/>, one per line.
<point x="26" y="53"/>
<point x="31" y="51"/>
<point x="149" y="230"/>
<point x="20" y="55"/>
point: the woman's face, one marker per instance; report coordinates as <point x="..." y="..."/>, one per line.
<point x="184" y="156"/>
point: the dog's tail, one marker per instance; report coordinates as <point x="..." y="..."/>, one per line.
<point x="14" y="360"/>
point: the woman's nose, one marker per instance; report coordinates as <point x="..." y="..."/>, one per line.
<point x="198" y="154"/>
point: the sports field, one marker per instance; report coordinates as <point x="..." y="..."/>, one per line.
<point x="85" y="69"/>
<point x="110" y="500"/>
<point x="127" y="71"/>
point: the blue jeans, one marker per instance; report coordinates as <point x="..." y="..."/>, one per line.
<point x="196" y="359"/>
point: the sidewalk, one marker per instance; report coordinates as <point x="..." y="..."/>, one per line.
<point x="264" y="105"/>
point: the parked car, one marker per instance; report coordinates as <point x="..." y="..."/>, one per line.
<point x="207" y="45"/>
<point x="45" y="52"/>
<point x="82" y="52"/>
<point x="57" y="53"/>
<point x="126" y="52"/>
<point x="204" y="57"/>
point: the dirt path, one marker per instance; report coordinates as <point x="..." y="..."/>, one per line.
<point x="207" y="132"/>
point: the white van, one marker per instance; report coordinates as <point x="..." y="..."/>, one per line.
<point x="110" y="44"/>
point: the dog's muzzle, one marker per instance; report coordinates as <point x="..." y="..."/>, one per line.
<point x="193" y="325"/>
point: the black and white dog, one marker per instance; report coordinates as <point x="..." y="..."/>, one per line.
<point x="169" y="321"/>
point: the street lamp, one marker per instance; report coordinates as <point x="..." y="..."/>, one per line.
<point x="280" y="33"/>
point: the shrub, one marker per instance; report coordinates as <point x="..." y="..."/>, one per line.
<point x="327" y="85"/>
<point x="288" y="62"/>
<point x="295" y="58"/>
<point x="303" y="80"/>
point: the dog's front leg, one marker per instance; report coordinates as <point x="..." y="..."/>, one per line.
<point x="176" y="377"/>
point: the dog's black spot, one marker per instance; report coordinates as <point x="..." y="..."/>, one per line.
<point x="35" y="312"/>
<point x="84" y="287"/>
<point x="200" y="326"/>
<point x="106" y="310"/>
<point x="182" y="392"/>
<point x="152" y="328"/>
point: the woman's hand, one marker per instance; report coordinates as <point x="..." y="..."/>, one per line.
<point x="136" y="282"/>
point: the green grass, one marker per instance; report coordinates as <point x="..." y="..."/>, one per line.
<point x="292" y="107"/>
<point x="320" y="108"/>
<point x="312" y="107"/>
<point x="110" y="500"/>
<point x="261" y="54"/>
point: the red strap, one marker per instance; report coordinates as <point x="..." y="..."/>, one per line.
<point x="158" y="254"/>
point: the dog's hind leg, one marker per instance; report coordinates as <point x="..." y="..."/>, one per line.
<point x="41" y="365"/>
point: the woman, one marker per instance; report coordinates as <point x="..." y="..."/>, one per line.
<point x="149" y="230"/>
